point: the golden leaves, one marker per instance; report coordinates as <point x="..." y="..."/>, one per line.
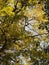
<point x="19" y="5"/>
<point x="11" y="1"/>
<point x="17" y="47"/>
<point x="37" y="12"/>
<point x="7" y="10"/>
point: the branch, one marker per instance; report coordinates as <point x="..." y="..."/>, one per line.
<point x="16" y="10"/>
<point x="3" y="47"/>
<point x="39" y="35"/>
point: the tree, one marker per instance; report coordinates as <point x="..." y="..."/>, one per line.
<point x="24" y="32"/>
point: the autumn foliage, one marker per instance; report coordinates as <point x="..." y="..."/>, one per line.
<point x="24" y="32"/>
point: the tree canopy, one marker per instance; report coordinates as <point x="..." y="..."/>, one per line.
<point x="24" y="32"/>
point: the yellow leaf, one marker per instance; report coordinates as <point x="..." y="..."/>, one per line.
<point x="7" y="10"/>
<point x="17" y="47"/>
<point x="25" y="64"/>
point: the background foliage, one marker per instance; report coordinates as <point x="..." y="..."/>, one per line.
<point x="24" y="32"/>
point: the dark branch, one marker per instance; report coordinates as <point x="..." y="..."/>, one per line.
<point x="3" y="47"/>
